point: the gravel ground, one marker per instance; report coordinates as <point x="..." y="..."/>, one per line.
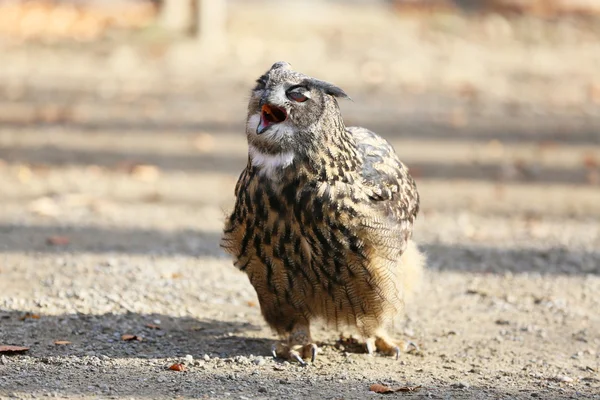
<point x="113" y="201"/>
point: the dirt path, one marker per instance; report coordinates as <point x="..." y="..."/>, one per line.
<point x="509" y="308"/>
<point x="137" y="180"/>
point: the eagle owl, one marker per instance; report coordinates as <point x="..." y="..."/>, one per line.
<point x="323" y="218"/>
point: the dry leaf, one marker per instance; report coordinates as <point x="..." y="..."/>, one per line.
<point x="61" y="342"/>
<point x="408" y="389"/>
<point x="177" y="367"/>
<point x="594" y="92"/>
<point x="51" y="20"/>
<point x="24" y="174"/>
<point x="145" y="173"/>
<point x="58" y="240"/>
<point x="593" y="177"/>
<point x="53" y="114"/>
<point x="13" y="349"/>
<point x="377" y="388"/>
<point x="468" y="91"/>
<point x="590" y="161"/>
<point x="152" y="326"/>
<point x="29" y="316"/>
<point x="458" y="118"/>
<point x="548" y="145"/>
<point x="129" y="338"/>
<point x="153" y="197"/>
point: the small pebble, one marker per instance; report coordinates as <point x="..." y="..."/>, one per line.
<point x="206" y="357"/>
<point x="259" y="361"/>
<point x="189" y="359"/>
<point x="460" y="385"/>
<point x="564" y="378"/>
<point x="241" y="360"/>
<point x="111" y="262"/>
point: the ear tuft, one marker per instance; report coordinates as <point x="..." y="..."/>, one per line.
<point x="336" y="91"/>
<point x="329" y="88"/>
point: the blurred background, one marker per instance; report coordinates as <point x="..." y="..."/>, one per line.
<point x="122" y="137"/>
<point x="130" y="113"/>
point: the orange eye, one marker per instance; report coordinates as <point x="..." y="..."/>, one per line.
<point x="296" y="96"/>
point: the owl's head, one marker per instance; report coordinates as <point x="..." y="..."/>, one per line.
<point x="288" y="114"/>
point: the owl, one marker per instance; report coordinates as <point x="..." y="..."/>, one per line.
<point x="323" y="218"/>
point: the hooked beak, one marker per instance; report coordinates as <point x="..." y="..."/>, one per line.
<point x="270" y="115"/>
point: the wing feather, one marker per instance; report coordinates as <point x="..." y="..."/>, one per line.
<point x="387" y="182"/>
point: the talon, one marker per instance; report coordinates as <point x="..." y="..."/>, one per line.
<point x="397" y="350"/>
<point x="274" y="351"/>
<point x="413" y="345"/>
<point x="370" y="347"/>
<point x="297" y="357"/>
<point x="313" y="353"/>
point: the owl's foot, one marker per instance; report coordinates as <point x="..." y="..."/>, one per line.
<point x="386" y="346"/>
<point x="299" y="345"/>
<point x="297" y="353"/>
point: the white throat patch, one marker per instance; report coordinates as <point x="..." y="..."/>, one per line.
<point x="269" y="163"/>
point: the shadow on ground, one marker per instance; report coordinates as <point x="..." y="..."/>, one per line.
<point x="389" y="116"/>
<point x="467" y="258"/>
<point x="88" y="239"/>
<point x="99" y="363"/>
<point x="102" y="335"/>
<point x="233" y="165"/>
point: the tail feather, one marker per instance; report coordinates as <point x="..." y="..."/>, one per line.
<point x="412" y="263"/>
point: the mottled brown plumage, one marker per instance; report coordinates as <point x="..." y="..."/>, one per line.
<point x="323" y="218"/>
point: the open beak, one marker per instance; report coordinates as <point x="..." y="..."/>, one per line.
<point x="270" y="115"/>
